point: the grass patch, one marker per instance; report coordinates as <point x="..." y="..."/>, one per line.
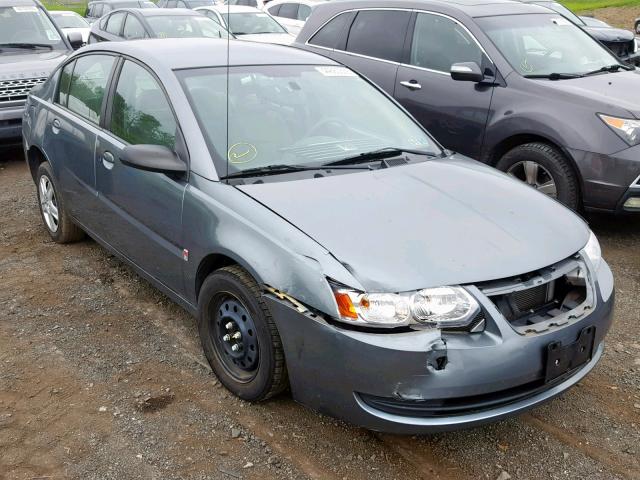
<point x="589" y="5"/>
<point x="79" y="8"/>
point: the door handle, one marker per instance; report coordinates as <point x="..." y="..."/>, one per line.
<point x="108" y="160"/>
<point x="55" y="126"/>
<point x="411" y="84"/>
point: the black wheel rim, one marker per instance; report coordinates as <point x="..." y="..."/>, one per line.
<point x="234" y="337"/>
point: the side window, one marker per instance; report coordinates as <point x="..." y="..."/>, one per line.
<point x="103" y="23"/>
<point x="87" y="12"/>
<point x="97" y="10"/>
<point x="133" y="28"/>
<point x="114" y="25"/>
<point x="439" y="42"/>
<point x="289" y="10"/>
<point x="106" y="8"/>
<point x="212" y="16"/>
<point x="65" y="80"/>
<point x="303" y="12"/>
<point x="368" y="30"/>
<point x="141" y="113"/>
<point x="329" y="35"/>
<point x="88" y="84"/>
<point x="274" y="10"/>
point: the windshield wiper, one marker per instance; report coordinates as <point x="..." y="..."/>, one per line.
<point x="555" y="76"/>
<point x="278" y="169"/>
<point x="386" y="152"/>
<point x="610" y="68"/>
<point x="30" y="46"/>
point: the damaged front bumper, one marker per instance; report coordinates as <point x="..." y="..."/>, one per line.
<point x="427" y="380"/>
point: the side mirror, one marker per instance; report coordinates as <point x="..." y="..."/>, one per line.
<point x="75" y="39"/>
<point x="152" y="158"/>
<point x="466" y="72"/>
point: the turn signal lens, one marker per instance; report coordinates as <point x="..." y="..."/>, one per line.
<point x="345" y="305"/>
<point x="627" y="128"/>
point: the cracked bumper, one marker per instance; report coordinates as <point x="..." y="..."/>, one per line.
<point x="336" y="371"/>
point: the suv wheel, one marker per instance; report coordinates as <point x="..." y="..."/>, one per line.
<point x="239" y="337"/>
<point x="59" y="225"/>
<point x="544" y="168"/>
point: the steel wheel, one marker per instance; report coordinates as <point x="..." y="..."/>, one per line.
<point x="234" y="337"/>
<point x="49" y="204"/>
<point x="534" y="175"/>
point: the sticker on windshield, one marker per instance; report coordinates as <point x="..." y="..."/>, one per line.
<point x="261" y="15"/>
<point x="560" y="21"/>
<point x="26" y="9"/>
<point x="242" y="153"/>
<point x="331" y="71"/>
<point x="52" y="35"/>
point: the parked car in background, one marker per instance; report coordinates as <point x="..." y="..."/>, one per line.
<point x="69" y="21"/>
<point x="191" y="4"/>
<point x="291" y="14"/>
<point x="31" y="46"/>
<point x="621" y="42"/>
<point x="514" y="85"/>
<point x="136" y="23"/>
<point x="421" y="328"/>
<point x="248" y="3"/>
<point x="593" y="22"/>
<point x="97" y="9"/>
<point x="248" y="23"/>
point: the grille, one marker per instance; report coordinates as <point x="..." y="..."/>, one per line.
<point x="531" y="298"/>
<point x="11" y="90"/>
<point x="621" y="49"/>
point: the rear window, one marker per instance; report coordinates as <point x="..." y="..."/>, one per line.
<point x="329" y="35"/>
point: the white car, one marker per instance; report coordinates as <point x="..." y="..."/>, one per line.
<point x="291" y="14"/>
<point x="69" y="21"/>
<point x="248" y="23"/>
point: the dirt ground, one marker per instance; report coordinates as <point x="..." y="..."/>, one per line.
<point x="101" y="377"/>
<point x="621" y="17"/>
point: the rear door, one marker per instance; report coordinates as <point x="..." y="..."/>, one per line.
<point x="141" y="210"/>
<point x="454" y="112"/>
<point x="374" y="45"/>
<point x="73" y="125"/>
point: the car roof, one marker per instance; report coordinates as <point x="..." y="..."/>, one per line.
<point x="472" y="8"/>
<point x="18" y="3"/>
<point x="235" y="9"/>
<point x="179" y="53"/>
<point x="164" y="12"/>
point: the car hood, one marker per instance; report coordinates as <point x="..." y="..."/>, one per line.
<point x="610" y="34"/>
<point x="279" y="38"/>
<point x="611" y="91"/>
<point x="440" y="222"/>
<point x="29" y="64"/>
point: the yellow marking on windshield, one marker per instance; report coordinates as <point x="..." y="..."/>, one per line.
<point x="242" y="153"/>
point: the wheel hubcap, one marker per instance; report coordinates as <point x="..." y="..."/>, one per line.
<point x="534" y="175"/>
<point x="48" y="204"/>
<point x="235" y="337"/>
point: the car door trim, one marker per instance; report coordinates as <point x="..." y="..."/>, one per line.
<point x="411" y="10"/>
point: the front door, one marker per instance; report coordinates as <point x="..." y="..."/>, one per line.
<point x="142" y="210"/>
<point x="454" y="112"/>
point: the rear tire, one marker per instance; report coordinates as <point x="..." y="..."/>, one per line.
<point x="545" y="168"/>
<point x="232" y="313"/>
<point x="54" y="215"/>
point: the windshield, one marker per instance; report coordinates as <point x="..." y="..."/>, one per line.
<point x="545" y="44"/>
<point x="295" y="115"/>
<point x="69" y="20"/>
<point x="181" y="26"/>
<point x="564" y="11"/>
<point x="251" y="23"/>
<point x="28" y="25"/>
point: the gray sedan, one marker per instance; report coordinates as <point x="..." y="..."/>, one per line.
<point x="322" y="239"/>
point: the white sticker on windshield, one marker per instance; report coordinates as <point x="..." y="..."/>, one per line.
<point x="331" y="71"/>
<point x="25" y="9"/>
<point x="52" y="35"/>
<point x="560" y="21"/>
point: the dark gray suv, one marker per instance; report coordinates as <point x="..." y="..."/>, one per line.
<point x="514" y="85"/>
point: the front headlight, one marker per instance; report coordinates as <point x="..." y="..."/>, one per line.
<point x="439" y="307"/>
<point x="626" y="128"/>
<point x="592" y="250"/>
<point x="635" y="44"/>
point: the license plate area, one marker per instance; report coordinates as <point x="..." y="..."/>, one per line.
<point x="562" y="359"/>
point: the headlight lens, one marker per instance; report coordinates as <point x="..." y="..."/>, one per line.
<point x="437" y="307"/>
<point x="592" y="250"/>
<point x="626" y="128"/>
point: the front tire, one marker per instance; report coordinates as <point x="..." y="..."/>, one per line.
<point x="59" y="225"/>
<point x="544" y="168"/>
<point x="239" y="337"/>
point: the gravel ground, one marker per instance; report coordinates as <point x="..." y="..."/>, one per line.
<point x="102" y="377"/>
<point x="621" y="17"/>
